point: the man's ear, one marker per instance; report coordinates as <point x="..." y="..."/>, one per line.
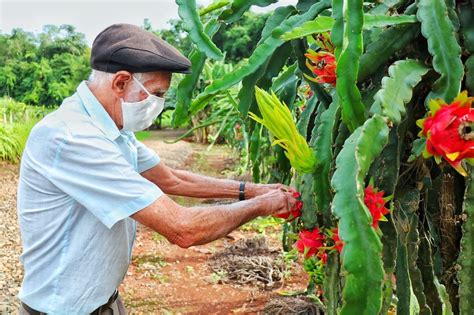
<point x="120" y="82"/>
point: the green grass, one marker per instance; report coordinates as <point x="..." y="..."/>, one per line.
<point x="13" y="139"/>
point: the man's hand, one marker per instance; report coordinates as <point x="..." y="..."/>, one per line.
<point x="200" y="225"/>
<point x="277" y="201"/>
<point x="253" y="190"/>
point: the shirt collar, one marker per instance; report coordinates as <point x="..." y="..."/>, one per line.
<point x="97" y="112"/>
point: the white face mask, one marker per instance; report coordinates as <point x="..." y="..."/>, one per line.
<point x="140" y="115"/>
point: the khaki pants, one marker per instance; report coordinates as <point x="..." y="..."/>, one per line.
<point x="117" y="308"/>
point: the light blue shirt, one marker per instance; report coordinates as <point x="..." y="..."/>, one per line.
<point x="79" y="183"/>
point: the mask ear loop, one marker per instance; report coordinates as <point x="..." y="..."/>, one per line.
<point x="141" y="85"/>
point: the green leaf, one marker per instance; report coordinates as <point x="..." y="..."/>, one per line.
<point x="361" y="256"/>
<point x="466" y="17"/>
<point x="433" y="290"/>
<point x="397" y="88"/>
<point x="353" y="110"/>
<point x="470" y="74"/>
<point x="388" y="43"/>
<point x="279" y="15"/>
<point x="303" y="121"/>
<point x="324" y="24"/>
<point x="319" y="25"/>
<point x="466" y="254"/>
<point x="437" y="28"/>
<point x="192" y="24"/>
<point x="213" y="7"/>
<point x="417" y="148"/>
<point x="406" y="221"/>
<point x="385" y="171"/>
<point x="308" y="213"/>
<point x="247" y="92"/>
<point x="337" y="31"/>
<point x="258" y="58"/>
<point x="262" y="78"/>
<point x="415" y="273"/>
<point x="331" y="284"/>
<point x="239" y="7"/>
<point x="385" y="6"/>
<point x="186" y="87"/>
<point x="371" y="20"/>
<point x="322" y="144"/>
<point x="286" y="78"/>
<point x="304" y="5"/>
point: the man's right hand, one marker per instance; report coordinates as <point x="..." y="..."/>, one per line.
<point x="276" y="202"/>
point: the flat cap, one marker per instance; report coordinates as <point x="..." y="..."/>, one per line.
<point x="131" y="48"/>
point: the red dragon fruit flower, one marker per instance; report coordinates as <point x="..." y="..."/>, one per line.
<point x="449" y="131"/>
<point x="375" y="202"/>
<point x="323" y="65"/>
<point x="338" y="244"/>
<point x="311" y="243"/>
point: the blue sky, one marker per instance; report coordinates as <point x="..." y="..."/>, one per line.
<point x="90" y="17"/>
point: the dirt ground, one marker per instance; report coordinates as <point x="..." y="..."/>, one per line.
<point x="163" y="278"/>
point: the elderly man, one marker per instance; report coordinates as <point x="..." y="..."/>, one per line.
<point x="85" y="181"/>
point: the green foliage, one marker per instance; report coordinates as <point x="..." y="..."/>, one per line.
<point x="361" y="258"/>
<point x="397" y="89"/>
<point x="238" y="7"/>
<point x="16" y="121"/>
<point x="323" y="140"/>
<point x="174" y="34"/>
<point x="188" y="83"/>
<point x="324" y="24"/>
<point x="437" y="28"/>
<point x="13" y="139"/>
<point x="466" y="257"/>
<point x="409" y="263"/>
<point x="387" y="44"/>
<point x="406" y="222"/>
<point x="43" y="69"/>
<point x="260" y="55"/>
<point x="239" y="39"/>
<point x="192" y="24"/>
<point x="466" y="17"/>
<point x="353" y="110"/>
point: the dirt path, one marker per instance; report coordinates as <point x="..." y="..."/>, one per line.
<point x="163" y="278"/>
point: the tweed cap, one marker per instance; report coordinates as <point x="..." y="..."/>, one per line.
<point x="131" y="48"/>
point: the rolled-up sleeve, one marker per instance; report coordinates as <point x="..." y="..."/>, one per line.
<point x="146" y="157"/>
<point x="92" y="170"/>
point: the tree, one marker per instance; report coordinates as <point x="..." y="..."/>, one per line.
<point x="43" y="69"/>
<point x="239" y="39"/>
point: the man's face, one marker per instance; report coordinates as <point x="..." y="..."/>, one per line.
<point x="157" y="83"/>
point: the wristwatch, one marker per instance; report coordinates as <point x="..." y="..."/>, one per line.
<point x="242" y="191"/>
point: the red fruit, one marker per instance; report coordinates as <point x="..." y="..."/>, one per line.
<point x="449" y="131"/>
